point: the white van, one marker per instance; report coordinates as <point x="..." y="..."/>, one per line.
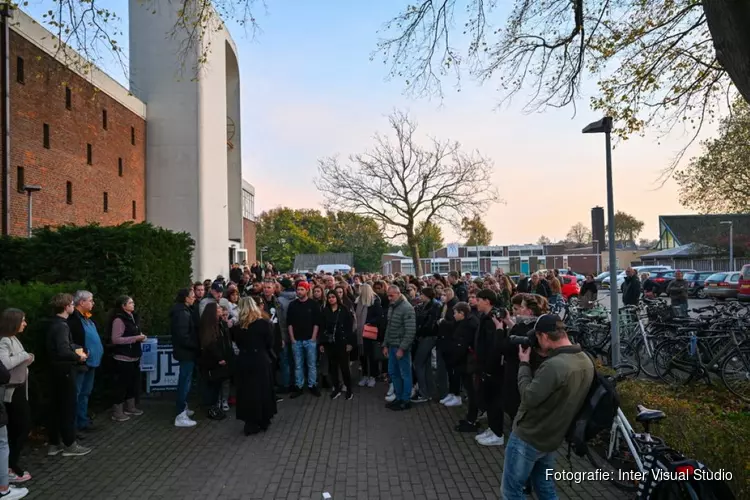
<point x="333" y="268"/>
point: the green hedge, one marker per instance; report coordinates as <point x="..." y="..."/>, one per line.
<point x="140" y="260"/>
<point x="703" y="423"/>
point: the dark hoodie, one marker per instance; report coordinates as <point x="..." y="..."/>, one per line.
<point x="186" y="346"/>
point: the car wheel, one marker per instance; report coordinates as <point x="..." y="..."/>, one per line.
<point x="701" y="293"/>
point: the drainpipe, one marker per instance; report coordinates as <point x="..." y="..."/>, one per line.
<point x="6" y="14"/>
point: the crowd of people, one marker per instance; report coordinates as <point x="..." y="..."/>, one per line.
<point x="261" y="335"/>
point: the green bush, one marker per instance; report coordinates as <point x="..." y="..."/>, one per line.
<point x="148" y="263"/>
<point x="33" y="299"/>
<point x="703" y="423"/>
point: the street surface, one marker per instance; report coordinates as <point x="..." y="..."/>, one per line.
<point x="351" y="449"/>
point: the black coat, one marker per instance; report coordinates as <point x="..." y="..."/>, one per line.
<point x="461" y="291"/>
<point x="631" y="290"/>
<point x="182" y="326"/>
<point x="427" y="316"/>
<point x="523" y="285"/>
<point x="511" y="364"/>
<point x="256" y="401"/>
<point x="455" y="347"/>
<point x="60" y="347"/>
<point x="488" y="345"/>
<point x="337" y="327"/>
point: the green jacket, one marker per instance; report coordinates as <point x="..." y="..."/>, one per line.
<point x="402" y="325"/>
<point x="552" y="397"/>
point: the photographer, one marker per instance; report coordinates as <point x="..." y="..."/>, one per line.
<point x="550" y="399"/>
<point x="488" y="347"/>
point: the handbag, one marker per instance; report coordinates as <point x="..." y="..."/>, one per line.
<point x="218" y="373"/>
<point x="370" y="332"/>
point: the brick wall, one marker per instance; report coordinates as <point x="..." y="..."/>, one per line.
<point x="248" y="235"/>
<point x="42" y="99"/>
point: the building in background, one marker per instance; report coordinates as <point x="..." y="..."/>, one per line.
<point x="102" y="155"/>
<point x="248" y="223"/>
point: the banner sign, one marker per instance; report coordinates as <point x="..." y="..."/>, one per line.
<point x="149" y="355"/>
<point x="166" y="370"/>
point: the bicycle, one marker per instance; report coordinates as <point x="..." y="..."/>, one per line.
<point x="645" y="463"/>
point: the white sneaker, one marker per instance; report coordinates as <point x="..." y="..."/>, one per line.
<point x="391" y="391"/>
<point x="363" y="381"/>
<point x="225" y="405"/>
<point x="446" y="399"/>
<point x="371" y="382"/>
<point x="182" y="420"/>
<point x="188" y="411"/>
<point x="414" y="390"/>
<point x="390" y="398"/>
<point x="482" y="435"/>
<point x="491" y="440"/>
<point x="13" y="493"/>
<point x="454" y="401"/>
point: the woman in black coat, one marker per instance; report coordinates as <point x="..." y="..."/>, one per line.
<point x="256" y="400"/>
<point x="214" y="358"/>
<point x="459" y="357"/>
<point x="337" y="340"/>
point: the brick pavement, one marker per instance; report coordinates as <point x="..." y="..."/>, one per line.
<point x="351" y="449"/>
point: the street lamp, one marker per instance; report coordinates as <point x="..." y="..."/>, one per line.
<point x="32" y="188"/>
<point x="604" y="126"/>
<point x="262" y="249"/>
<point x="731" y="243"/>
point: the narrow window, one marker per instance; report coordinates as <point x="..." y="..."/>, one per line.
<point x="69" y="192"/>
<point x="134" y="213"/>
<point x="119" y="167"/>
<point x="68" y="98"/>
<point x="45" y="135"/>
<point x="20" y="78"/>
<point x="132" y="136"/>
<point x="106" y="202"/>
<point x="20" y="179"/>
<point x="89" y="155"/>
<point x="104" y="119"/>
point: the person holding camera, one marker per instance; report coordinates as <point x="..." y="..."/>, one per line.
<point x="489" y="359"/>
<point x="550" y="400"/>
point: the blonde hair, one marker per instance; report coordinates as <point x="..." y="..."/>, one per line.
<point x="366" y="295"/>
<point x="248" y="312"/>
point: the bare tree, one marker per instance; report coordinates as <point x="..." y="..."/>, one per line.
<point x="579" y="234"/>
<point x="401" y="183"/>
<point x="659" y="63"/>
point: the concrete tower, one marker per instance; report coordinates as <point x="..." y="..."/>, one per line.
<point x="194" y="170"/>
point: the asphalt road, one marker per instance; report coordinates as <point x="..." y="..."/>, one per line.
<point x="692" y="303"/>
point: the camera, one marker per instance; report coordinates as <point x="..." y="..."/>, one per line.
<point x="528" y="340"/>
<point x="499" y="313"/>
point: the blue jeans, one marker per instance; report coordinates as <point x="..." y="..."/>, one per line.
<point x="285" y="367"/>
<point x="305" y="351"/>
<point x="84" y="386"/>
<point x="4" y="452"/>
<point x="184" y="382"/>
<point x="522" y="462"/>
<point x="400" y="372"/>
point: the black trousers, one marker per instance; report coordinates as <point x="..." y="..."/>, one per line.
<point x="370" y="366"/>
<point x="454" y="381"/>
<point x="19" y="425"/>
<point x="492" y="392"/>
<point x="127" y="380"/>
<point x="470" y="386"/>
<point x="62" y="413"/>
<point x="338" y="360"/>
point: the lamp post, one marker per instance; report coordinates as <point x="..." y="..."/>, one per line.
<point x="262" y="249"/>
<point x="30" y="189"/>
<point x="731" y="243"/>
<point x="604" y="126"/>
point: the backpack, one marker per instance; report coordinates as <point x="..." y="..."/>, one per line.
<point x="596" y="414"/>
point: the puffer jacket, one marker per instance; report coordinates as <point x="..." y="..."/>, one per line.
<point x="402" y="325"/>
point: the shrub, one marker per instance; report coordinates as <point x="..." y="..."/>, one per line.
<point x="148" y="263"/>
<point x="703" y="423"/>
<point x="33" y="299"/>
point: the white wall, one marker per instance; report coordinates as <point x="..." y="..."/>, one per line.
<point x="187" y="184"/>
<point x="234" y="155"/>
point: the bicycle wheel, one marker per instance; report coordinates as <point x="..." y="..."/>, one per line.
<point x="620" y="459"/>
<point x="674" y="363"/>
<point x="645" y="351"/>
<point x="735" y="371"/>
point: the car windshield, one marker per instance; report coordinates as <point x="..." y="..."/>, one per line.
<point x="717" y="277"/>
<point x="691" y="276"/>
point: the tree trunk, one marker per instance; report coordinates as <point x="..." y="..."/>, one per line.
<point x="729" y="24"/>
<point x="414" y="247"/>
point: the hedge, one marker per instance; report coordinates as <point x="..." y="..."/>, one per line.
<point x="703" y="423"/>
<point x="148" y="263"/>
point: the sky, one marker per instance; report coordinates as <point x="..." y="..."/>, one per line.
<point x="310" y="91"/>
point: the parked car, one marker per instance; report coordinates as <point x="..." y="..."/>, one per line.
<point x="599" y="277"/>
<point x="569" y="286"/>
<point x="743" y="293"/>
<point x="723" y="285"/>
<point x="565" y="272"/>
<point x="638" y="270"/>
<point x="662" y="279"/>
<point x="696" y="282"/>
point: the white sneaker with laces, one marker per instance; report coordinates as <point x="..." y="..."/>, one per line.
<point x="446" y="399"/>
<point x="482" y="435"/>
<point x="182" y="420"/>
<point x="188" y="411"/>
<point x="454" y="401"/>
<point x="363" y="381"/>
<point x="491" y="440"/>
<point x="225" y="405"/>
<point x="14" y="493"/>
<point x="391" y="391"/>
<point x="371" y="382"/>
<point x="390" y="398"/>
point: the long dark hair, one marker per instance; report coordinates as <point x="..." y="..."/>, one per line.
<point x="10" y="322"/>
<point x="332" y="293"/>
<point x="119" y="303"/>
<point x="208" y="328"/>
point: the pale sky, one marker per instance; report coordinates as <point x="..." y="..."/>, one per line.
<point x="310" y="90"/>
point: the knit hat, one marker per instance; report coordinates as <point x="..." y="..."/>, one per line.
<point x="303" y="284"/>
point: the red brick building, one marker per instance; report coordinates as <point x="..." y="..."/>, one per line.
<point x="77" y="134"/>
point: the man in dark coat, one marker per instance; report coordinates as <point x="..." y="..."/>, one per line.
<point x="631" y="288"/>
<point x="185" y="349"/>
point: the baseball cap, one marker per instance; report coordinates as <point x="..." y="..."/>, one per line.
<point x="546" y="323"/>
<point x="217" y="287"/>
<point x="303" y="284"/>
